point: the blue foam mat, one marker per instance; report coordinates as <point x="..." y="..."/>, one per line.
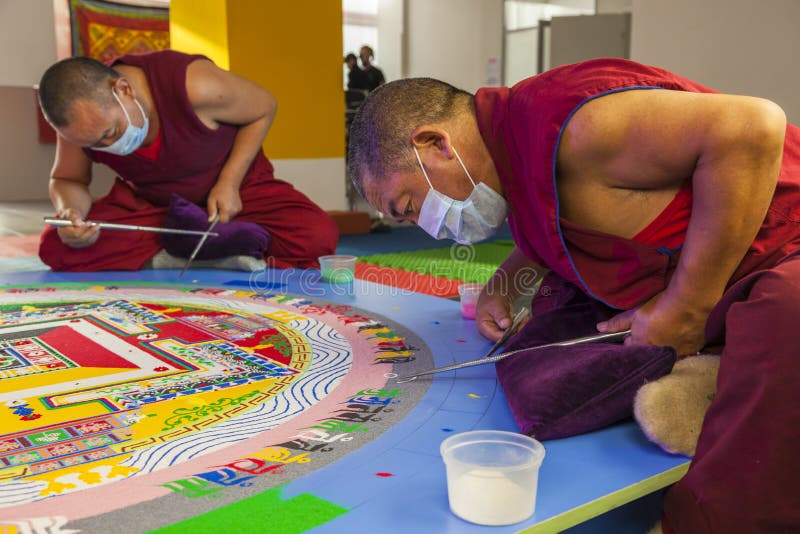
<point x="576" y="471"/>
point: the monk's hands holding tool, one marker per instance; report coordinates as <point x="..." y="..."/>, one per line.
<point x="224" y="200"/>
<point x="515" y="278"/>
<point x="80" y="234"/>
<point x="493" y="313"/>
<point x="660" y="321"/>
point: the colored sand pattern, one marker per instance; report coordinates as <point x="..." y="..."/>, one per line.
<point x="264" y="512"/>
<point x="474" y="263"/>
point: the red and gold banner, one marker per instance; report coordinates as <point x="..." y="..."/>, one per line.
<point x="105" y="30"/>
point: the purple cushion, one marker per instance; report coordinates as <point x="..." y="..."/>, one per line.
<point x="564" y="391"/>
<point x="236" y="238"/>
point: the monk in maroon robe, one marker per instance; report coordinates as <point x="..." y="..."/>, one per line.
<point x="654" y="195"/>
<point x="168" y="123"/>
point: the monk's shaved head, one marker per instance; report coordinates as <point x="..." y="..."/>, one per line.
<point x="70" y="80"/>
<point x="380" y="135"/>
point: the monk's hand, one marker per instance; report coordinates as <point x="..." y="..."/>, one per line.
<point x="492" y="313"/>
<point x="224" y="200"/>
<point x="80" y="234"/>
<point x="662" y="321"/>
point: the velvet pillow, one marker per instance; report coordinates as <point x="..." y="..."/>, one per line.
<point x="236" y="238"/>
<point x="564" y="391"/>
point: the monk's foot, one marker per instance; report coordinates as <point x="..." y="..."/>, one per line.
<point x="165" y="260"/>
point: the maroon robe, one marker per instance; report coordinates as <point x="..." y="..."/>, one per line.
<point x="744" y="475"/>
<point x="188" y="163"/>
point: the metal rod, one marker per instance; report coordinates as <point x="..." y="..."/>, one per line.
<point x="52" y="221"/>
<point x="614" y="336"/>
<point x="207" y="233"/>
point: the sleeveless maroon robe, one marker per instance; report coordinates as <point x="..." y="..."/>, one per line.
<point x="743" y="477"/>
<point x="188" y="163"/>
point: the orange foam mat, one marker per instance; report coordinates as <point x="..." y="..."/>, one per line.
<point x="401" y="279"/>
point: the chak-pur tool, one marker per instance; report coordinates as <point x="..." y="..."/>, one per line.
<point x="53" y="221"/>
<point x="615" y="336"/>
<point x="510" y="331"/>
<point x="207" y="233"/>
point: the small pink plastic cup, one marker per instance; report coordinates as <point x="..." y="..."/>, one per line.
<point x="468" y="293"/>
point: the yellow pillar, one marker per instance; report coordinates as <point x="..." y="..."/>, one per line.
<point x="200" y="27"/>
<point x="293" y="49"/>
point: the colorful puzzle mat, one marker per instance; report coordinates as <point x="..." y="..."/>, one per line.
<point x="134" y="406"/>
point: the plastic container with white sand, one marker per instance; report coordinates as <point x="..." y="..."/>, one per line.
<point x="492" y="475"/>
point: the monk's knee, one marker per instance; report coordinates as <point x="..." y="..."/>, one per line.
<point x="326" y="235"/>
<point x="51" y="249"/>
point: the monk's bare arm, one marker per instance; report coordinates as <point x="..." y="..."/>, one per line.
<point x="731" y="146"/>
<point x="70" y="178"/>
<point x="219" y="96"/>
<point x="69" y="192"/>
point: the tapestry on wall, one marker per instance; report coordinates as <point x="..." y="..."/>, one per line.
<point x="105" y="30"/>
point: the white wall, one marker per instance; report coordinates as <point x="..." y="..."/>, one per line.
<point x="613" y="6"/>
<point x="390" y="38"/>
<point x="322" y="180"/>
<point x="27" y="41"/>
<point x="521" y="55"/>
<point x="735" y="46"/>
<point x="24" y="162"/>
<point x="453" y="40"/>
<point x="583" y="37"/>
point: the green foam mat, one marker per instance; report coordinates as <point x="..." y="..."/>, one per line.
<point x="263" y="512"/>
<point x="470" y="263"/>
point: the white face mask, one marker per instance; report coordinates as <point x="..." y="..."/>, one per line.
<point x="465" y="221"/>
<point x="133" y="136"/>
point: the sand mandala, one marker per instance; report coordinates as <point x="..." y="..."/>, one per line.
<point x="128" y="408"/>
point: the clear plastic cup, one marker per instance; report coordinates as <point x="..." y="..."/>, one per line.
<point x="468" y="293"/>
<point x="337" y="268"/>
<point x="492" y="475"/>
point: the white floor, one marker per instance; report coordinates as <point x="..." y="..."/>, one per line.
<point x="24" y="217"/>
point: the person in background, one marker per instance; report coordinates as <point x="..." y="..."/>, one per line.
<point x="374" y="74"/>
<point x="185" y="138"/>
<point x="356" y="78"/>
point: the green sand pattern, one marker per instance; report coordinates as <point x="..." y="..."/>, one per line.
<point x="470" y="263"/>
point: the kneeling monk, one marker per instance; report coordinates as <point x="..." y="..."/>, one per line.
<point x="652" y="195"/>
<point x="170" y="125"/>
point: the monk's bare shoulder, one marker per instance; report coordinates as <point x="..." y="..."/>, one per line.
<point x="603" y="182"/>
<point x="204" y="89"/>
<point x="220" y="96"/>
